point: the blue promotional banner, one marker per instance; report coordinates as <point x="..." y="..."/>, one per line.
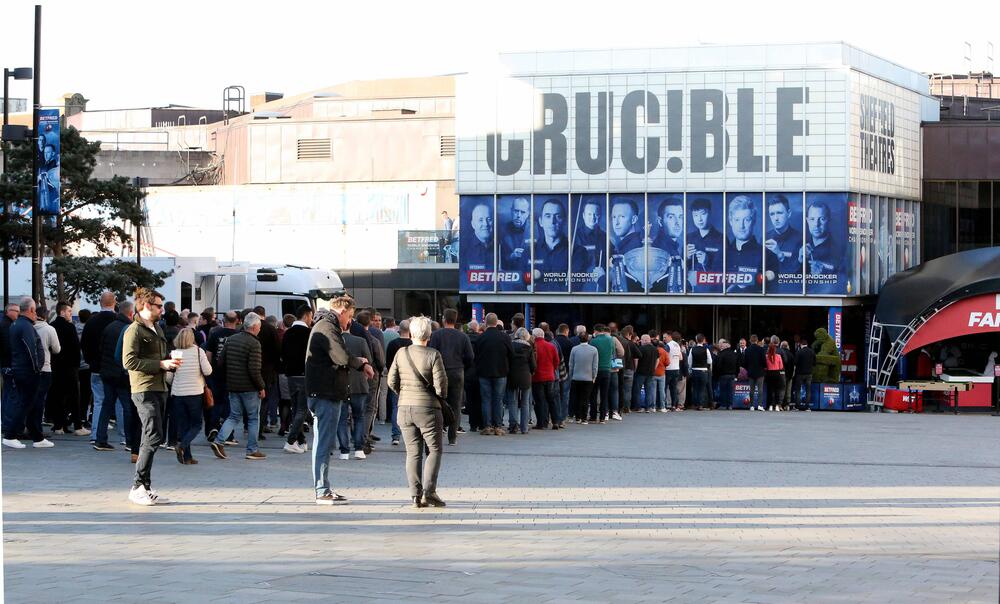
<point x="665" y="261"/>
<point x="550" y="260"/>
<point x="476" y="261"/>
<point x="627" y="266"/>
<point x="835" y="324"/>
<point x="47" y="176"/>
<point x="744" y="247"/>
<point x="824" y="252"/>
<point x="589" y="242"/>
<point x="661" y="243"/>
<point x="513" y="242"/>
<point x="704" y="249"/>
<point x="783" y="241"/>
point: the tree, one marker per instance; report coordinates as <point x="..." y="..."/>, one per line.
<point x="87" y="277"/>
<point x="94" y="218"/>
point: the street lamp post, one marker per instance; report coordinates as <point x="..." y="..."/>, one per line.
<point x="18" y="73"/>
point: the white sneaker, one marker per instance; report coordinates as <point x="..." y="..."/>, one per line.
<point x="304" y="447"/>
<point x="43" y="444"/>
<point x="345" y="456"/>
<point x="13" y="443"/>
<point x="359" y="454"/>
<point x="140" y="496"/>
<point x="292" y="448"/>
<point x="616" y="417"/>
<point x="82" y="432"/>
<point x="157" y="498"/>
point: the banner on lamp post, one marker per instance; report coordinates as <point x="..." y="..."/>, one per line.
<point x="47" y="175"/>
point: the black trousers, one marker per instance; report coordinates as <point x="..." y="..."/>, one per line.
<point x="580" y="393"/>
<point x="545" y="397"/>
<point x="63" y="399"/>
<point x="150" y="409"/>
<point x="775" y="388"/>
<point x="456" y="392"/>
<point x="599" y="396"/>
<point x="474" y="403"/>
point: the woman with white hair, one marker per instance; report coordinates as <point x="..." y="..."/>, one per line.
<point x="417" y="375"/>
<point x="522" y="366"/>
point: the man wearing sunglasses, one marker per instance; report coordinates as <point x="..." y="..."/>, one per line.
<point x="144" y="354"/>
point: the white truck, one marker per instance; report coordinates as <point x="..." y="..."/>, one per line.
<point x="197" y="283"/>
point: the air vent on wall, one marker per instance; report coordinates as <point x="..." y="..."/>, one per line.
<point x="447" y="144"/>
<point x="313" y="148"/>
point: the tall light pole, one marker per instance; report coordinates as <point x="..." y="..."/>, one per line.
<point x="18" y="73"/>
<point x="36" y="217"/>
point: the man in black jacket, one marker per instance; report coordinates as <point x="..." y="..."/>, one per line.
<point x="493" y="355"/>
<point x="456" y="352"/>
<point x="293" y="357"/>
<point x="805" y="362"/>
<point x="327" y="364"/>
<point x="90" y="346"/>
<point x="755" y="362"/>
<point x="360" y="329"/>
<point x="116" y="385"/>
<point x="270" y="360"/>
<point x="245" y="383"/>
<point x="727" y="368"/>
<point x="6" y="376"/>
<point x="64" y="397"/>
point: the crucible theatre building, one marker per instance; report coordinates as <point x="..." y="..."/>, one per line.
<point x="702" y="189"/>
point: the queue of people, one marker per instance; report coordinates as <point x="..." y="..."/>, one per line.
<point x="158" y="377"/>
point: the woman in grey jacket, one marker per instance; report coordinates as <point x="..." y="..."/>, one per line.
<point x="416" y="371"/>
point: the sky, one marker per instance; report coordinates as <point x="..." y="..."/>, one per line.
<point x="147" y="53"/>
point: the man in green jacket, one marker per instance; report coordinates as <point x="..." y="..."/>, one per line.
<point x="144" y="355"/>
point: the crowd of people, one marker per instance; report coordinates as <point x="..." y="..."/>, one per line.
<point x="157" y="377"/>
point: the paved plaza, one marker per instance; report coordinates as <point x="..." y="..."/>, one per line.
<point x="691" y="507"/>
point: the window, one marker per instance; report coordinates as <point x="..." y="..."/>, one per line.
<point x="938" y="219"/>
<point x="974" y="214"/>
<point x="290" y="305"/>
<point x="313" y="148"/>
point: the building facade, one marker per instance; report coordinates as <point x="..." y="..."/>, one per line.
<point x="722" y="177"/>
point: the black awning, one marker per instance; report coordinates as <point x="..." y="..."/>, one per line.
<point x="908" y="294"/>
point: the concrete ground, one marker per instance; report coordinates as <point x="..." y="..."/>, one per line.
<point x="697" y="506"/>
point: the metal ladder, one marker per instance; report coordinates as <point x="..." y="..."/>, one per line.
<point x="881" y="369"/>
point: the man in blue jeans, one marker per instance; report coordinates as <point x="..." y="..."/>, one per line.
<point x="493" y="353"/>
<point x="392" y="399"/>
<point x="327" y="385"/>
<point x="360" y="401"/>
<point x="242" y="362"/>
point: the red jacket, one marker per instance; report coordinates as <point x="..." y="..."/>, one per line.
<point x="548" y="362"/>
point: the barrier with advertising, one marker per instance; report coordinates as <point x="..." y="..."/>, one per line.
<point x="828" y="397"/>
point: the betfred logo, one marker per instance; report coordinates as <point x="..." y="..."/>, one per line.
<point x="480" y="276"/>
<point x="708" y="278"/>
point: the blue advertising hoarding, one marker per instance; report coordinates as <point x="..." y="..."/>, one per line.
<point x="513" y="242"/>
<point x="825" y="249"/>
<point x="665" y="261"/>
<point x="783" y="240"/>
<point x="550" y="257"/>
<point x="47" y="175"/>
<point x="475" y="243"/>
<point x="671" y="243"/>
<point x="704" y="249"/>
<point x="744" y="248"/>
<point x="627" y="266"/>
<point x="589" y="242"/>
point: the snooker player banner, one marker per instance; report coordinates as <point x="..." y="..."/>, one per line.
<point x="47" y="175"/>
<point x="659" y="243"/>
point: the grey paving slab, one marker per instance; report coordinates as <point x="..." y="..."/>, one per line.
<point x="721" y="506"/>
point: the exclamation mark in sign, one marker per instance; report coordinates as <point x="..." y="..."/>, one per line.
<point x="675" y="116"/>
